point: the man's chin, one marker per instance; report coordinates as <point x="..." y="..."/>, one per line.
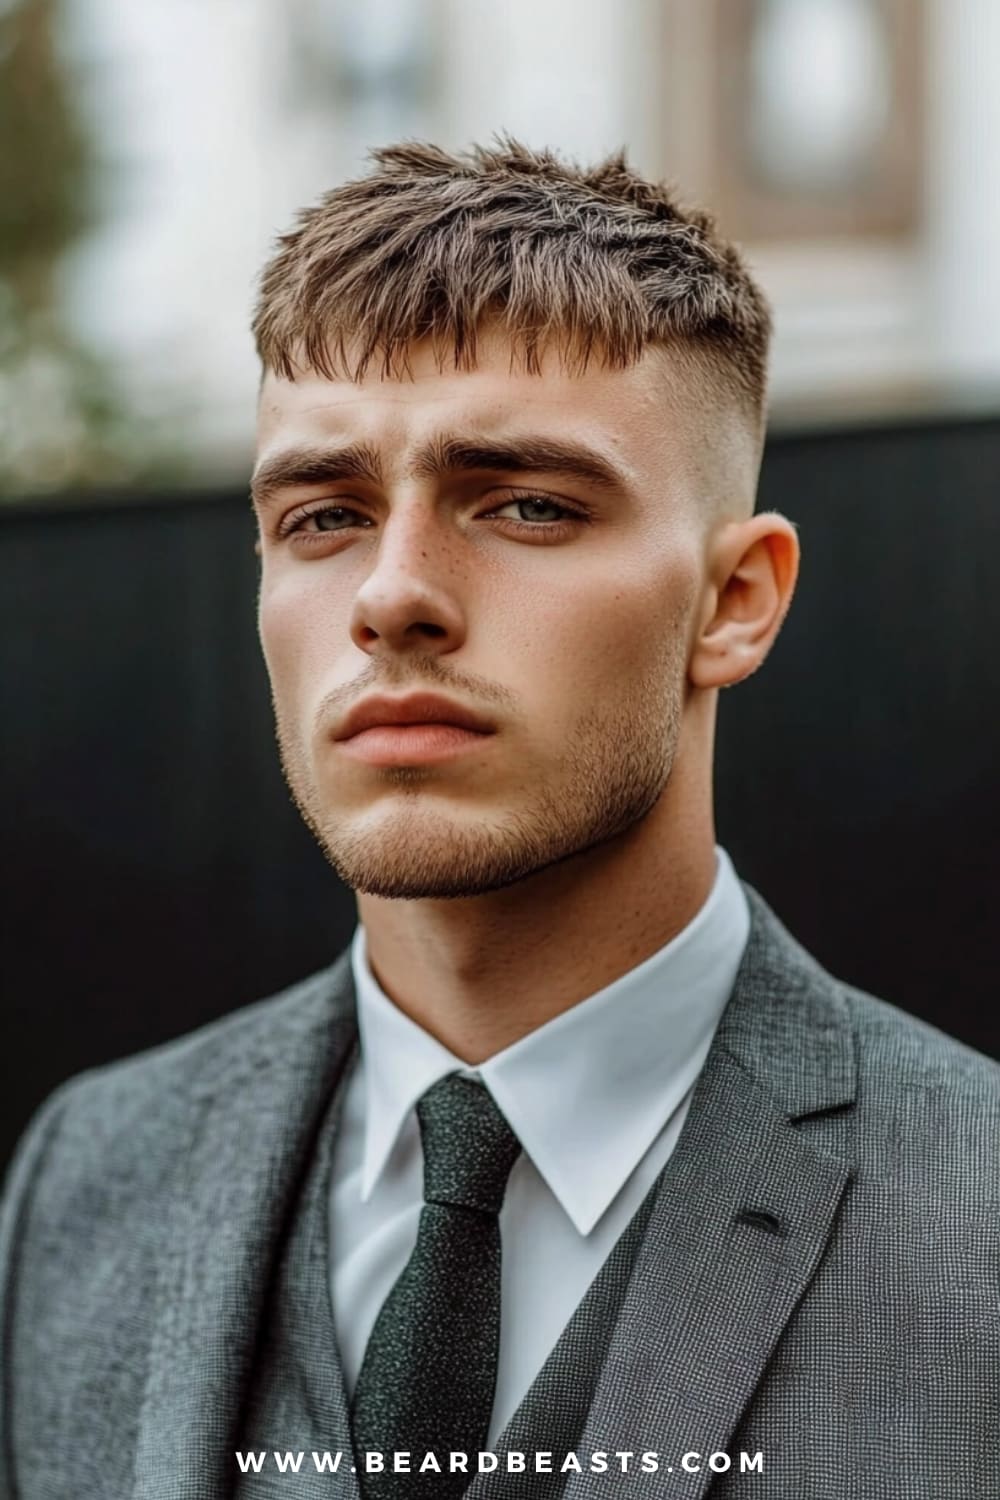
<point x="391" y="888"/>
<point x="428" y="879"/>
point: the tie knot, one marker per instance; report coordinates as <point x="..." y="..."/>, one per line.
<point x="469" y="1148"/>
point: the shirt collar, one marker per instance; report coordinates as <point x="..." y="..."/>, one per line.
<point x="588" y="1092"/>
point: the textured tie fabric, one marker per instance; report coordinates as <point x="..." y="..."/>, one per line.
<point x="428" y="1376"/>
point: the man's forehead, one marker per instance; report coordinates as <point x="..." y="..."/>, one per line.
<point x="491" y="398"/>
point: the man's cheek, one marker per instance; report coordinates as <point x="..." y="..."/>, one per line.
<point x="284" y="622"/>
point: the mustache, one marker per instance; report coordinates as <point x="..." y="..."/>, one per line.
<point x="414" y="674"/>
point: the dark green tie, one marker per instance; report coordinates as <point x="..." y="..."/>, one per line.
<point x="428" y="1376"/>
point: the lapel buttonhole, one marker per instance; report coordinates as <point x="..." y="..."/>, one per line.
<point x="760" y="1218"/>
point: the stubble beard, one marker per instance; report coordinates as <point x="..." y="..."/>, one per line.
<point x="613" y="773"/>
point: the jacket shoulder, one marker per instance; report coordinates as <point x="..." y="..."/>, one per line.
<point x="792" y="1004"/>
<point x="926" y="1126"/>
<point x="229" y="1037"/>
<point x="132" y="1104"/>
<point x="907" y="1052"/>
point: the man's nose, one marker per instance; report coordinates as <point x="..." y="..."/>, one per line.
<point x="409" y="602"/>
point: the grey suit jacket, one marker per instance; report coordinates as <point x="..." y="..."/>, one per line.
<point x="819" y="1281"/>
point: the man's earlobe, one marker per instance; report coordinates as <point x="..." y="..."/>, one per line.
<point x="723" y="662"/>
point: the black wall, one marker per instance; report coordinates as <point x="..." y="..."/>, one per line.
<point x="157" y="875"/>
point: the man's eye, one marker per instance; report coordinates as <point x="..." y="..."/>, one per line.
<point x="326" y="517"/>
<point x="533" y="512"/>
<point x="530" y="506"/>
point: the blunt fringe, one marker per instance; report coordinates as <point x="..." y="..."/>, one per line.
<point x="596" y="260"/>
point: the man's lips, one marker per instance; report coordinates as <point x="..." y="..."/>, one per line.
<point x="384" y="712"/>
<point x="411" y="744"/>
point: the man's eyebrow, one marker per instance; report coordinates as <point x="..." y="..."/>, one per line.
<point x="297" y="467"/>
<point x="445" y="455"/>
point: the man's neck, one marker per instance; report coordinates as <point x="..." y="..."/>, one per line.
<point x="481" y="972"/>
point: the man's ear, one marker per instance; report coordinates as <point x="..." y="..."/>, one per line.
<point x="752" y="568"/>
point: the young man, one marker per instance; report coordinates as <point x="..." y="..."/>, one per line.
<point x="575" y="1175"/>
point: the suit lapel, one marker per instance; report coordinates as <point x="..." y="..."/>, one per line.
<point x="253" y="1132"/>
<point x="745" y="1209"/>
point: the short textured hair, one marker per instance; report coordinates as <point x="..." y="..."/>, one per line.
<point x="597" y="260"/>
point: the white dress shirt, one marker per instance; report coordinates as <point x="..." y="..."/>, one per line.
<point x="597" y="1097"/>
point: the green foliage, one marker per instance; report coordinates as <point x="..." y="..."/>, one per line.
<point x="47" y="166"/>
<point x="65" y="422"/>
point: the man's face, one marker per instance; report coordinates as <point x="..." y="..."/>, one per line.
<point x="529" y="546"/>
